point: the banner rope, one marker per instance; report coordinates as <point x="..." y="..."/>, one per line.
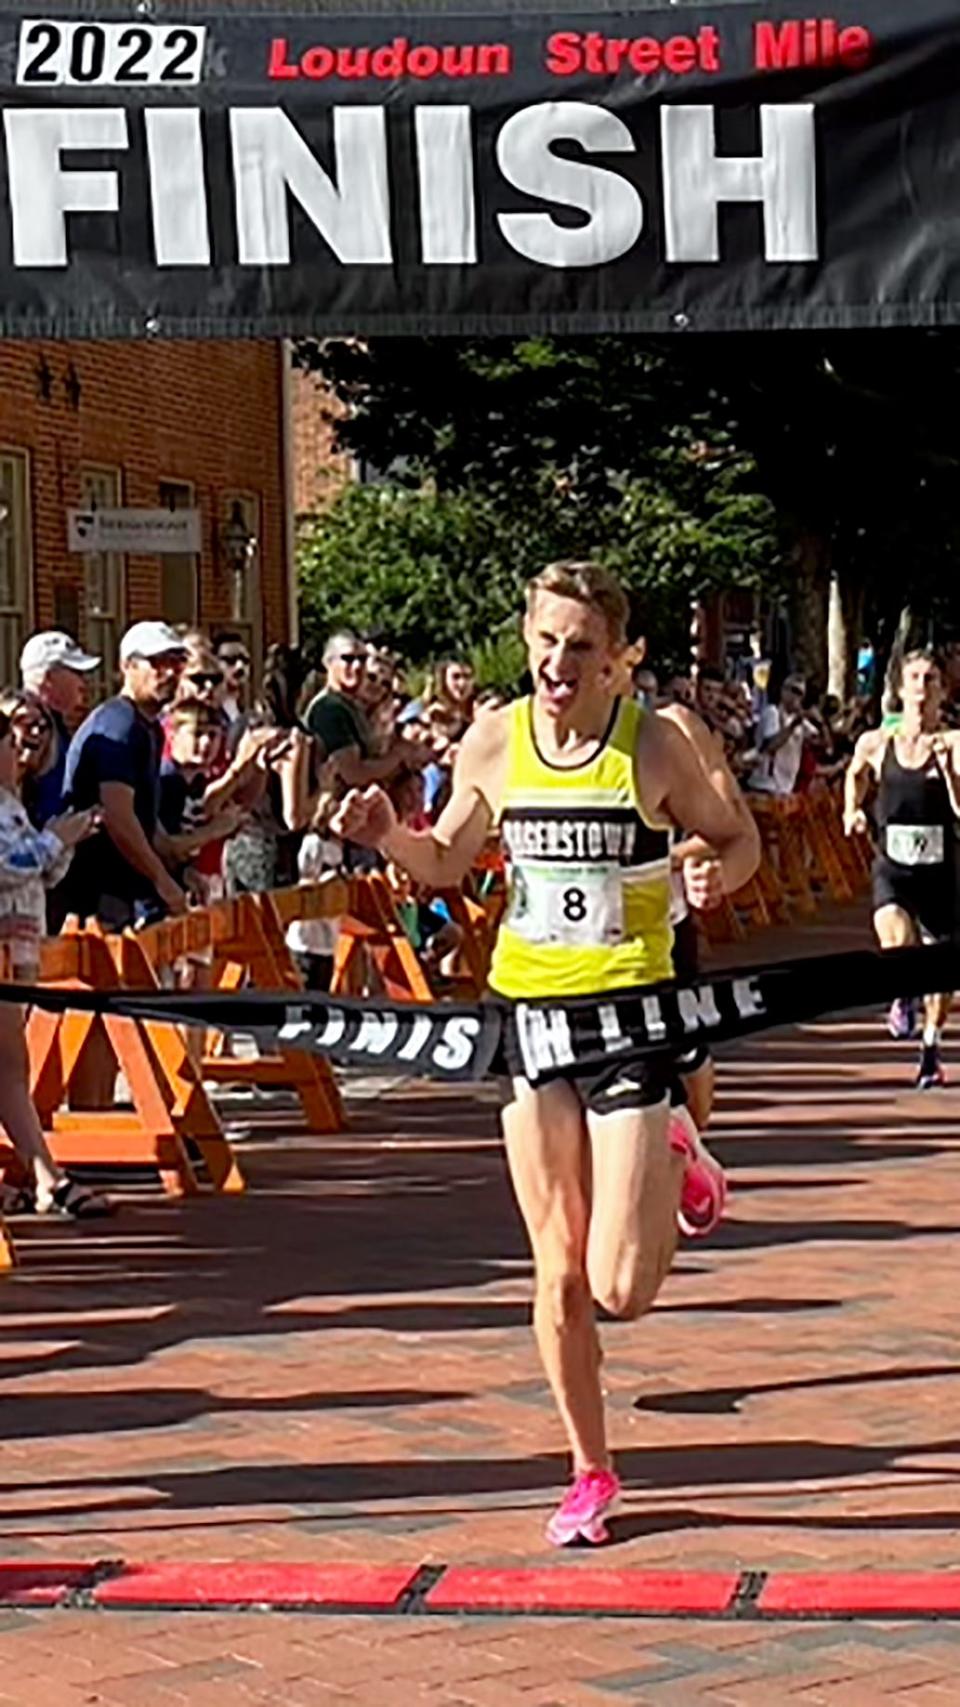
<point x="458" y="1041"/>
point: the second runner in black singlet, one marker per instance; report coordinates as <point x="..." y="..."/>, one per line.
<point x="915" y="867"/>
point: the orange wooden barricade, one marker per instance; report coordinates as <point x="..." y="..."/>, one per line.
<point x="372" y="934"/>
<point x="250" y="950"/>
<point x="154" y="1132"/>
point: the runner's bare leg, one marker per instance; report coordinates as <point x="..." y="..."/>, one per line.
<point x="633" y="1222"/>
<point x="546" y="1144"/>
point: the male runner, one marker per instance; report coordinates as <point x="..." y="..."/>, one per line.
<point x="695" y="1066"/>
<point x="914" y="770"/>
<point x="583" y="783"/>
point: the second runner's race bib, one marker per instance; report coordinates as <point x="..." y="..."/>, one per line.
<point x="914" y="844"/>
<point x="579" y="906"/>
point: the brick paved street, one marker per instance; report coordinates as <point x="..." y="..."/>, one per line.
<point x="339" y="1368"/>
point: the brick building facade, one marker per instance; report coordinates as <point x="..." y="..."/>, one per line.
<point x="192" y="424"/>
<point x="320" y="472"/>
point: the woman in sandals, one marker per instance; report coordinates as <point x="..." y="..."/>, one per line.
<point x="30" y="861"/>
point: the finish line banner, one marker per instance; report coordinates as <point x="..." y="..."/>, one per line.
<point x="457" y="1042"/>
<point x="655" y="169"/>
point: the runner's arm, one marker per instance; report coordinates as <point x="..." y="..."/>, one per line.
<point x="945" y="753"/>
<point x="857" y="782"/>
<point x="690" y="800"/>
<point x="709" y="750"/>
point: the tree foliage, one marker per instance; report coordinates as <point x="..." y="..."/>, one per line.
<point x="504" y="454"/>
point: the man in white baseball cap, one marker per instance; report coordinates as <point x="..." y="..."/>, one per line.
<point x="53" y="650"/>
<point x="114" y="763"/>
<point x="55" y="668"/>
<point x="152" y="640"/>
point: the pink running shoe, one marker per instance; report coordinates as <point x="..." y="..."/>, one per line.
<point x="703" y="1195"/>
<point x="583" y="1508"/>
<point x="902" y="1018"/>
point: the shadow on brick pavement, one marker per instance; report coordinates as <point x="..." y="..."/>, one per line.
<point x="340" y="1363"/>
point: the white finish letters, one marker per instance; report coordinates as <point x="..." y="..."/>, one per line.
<point x="696" y="179"/>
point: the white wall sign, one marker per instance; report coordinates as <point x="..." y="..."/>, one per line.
<point x="142" y="532"/>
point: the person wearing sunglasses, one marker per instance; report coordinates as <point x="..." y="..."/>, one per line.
<point x="338" y="720"/>
<point x="233" y="658"/>
<point x="203" y="678"/>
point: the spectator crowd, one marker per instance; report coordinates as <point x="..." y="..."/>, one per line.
<point x="201" y="778"/>
<point x="778" y="735"/>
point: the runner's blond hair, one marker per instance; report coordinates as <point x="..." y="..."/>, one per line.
<point x="590" y="584"/>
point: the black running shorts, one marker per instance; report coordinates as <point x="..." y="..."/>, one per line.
<point x="927" y="894"/>
<point x="621" y="1086"/>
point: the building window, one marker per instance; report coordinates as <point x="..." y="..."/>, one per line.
<point x="179" y="580"/>
<point x="104" y="582"/>
<point x="239" y="515"/>
<point x="16" y="576"/>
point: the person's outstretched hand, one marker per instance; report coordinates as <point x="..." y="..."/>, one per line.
<point x="74" y="827"/>
<point x="365" y="816"/>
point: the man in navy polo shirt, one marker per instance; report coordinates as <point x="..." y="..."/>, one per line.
<point x="114" y="763"/>
<point x="55" y="668"/>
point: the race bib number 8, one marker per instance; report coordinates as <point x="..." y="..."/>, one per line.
<point x="578" y="906"/>
<point x="89" y="55"/>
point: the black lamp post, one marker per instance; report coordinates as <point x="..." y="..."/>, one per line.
<point x="238" y="547"/>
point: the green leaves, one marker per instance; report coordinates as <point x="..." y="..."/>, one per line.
<point x="505" y="454"/>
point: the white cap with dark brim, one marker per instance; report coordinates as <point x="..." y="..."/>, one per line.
<point x="149" y="640"/>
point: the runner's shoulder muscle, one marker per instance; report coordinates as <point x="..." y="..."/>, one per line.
<point x="708" y="745"/>
<point x="709" y="748"/>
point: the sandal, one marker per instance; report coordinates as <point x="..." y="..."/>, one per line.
<point x="71" y="1198"/>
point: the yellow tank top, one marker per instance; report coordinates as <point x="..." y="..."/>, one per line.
<point x="588" y="905"/>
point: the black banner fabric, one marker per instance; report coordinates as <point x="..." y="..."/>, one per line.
<point x="455" y="1042"/>
<point x="665" y="168"/>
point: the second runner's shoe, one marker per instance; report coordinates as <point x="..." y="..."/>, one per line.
<point x="580" y="1515"/>
<point x="902" y="1018"/>
<point x="930" y="1074"/>
<point x="703" y="1194"/>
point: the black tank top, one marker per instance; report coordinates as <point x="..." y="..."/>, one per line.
<point x="913" y="796"/>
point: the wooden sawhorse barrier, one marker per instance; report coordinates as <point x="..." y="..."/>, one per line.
<point x="372" y="938"/>
<point x="171" y="1121"/>
<point x="250" y="951"/>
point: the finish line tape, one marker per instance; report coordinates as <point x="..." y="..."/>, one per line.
<point x="457" y="1041"/>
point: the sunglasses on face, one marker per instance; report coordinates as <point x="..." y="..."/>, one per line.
<point x="352" y="658"/>
<point x="235" y="658"/>
<point x="206" y="678"/>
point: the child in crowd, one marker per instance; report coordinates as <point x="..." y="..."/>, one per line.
<point x="427" y="922"/>
<point x="30" y="861"/>
<point x="313" y="942"/>
<point x="195" y="738"/>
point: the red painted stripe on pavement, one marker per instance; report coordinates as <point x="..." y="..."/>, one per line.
<point x="212" y="1584"/>
<point x="841" y="1592"/>
<point x="41" y="1584"/>
<point x="574" y="1589"/>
